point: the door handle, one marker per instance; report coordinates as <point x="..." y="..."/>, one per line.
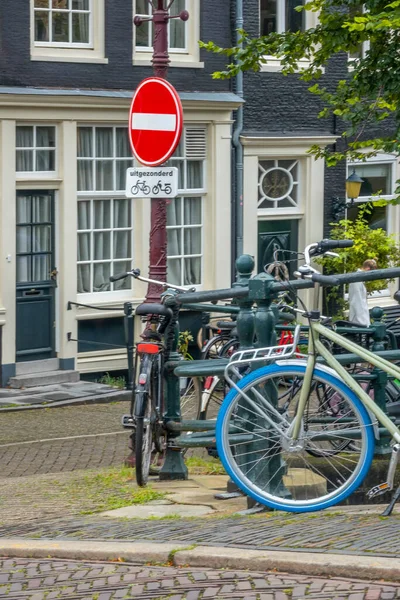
<point x="53" y="274"/>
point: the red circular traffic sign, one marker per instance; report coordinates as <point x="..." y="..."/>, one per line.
<point x="155" y="121"/>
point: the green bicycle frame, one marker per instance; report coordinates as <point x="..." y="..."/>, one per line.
<point x="317" y="348"/>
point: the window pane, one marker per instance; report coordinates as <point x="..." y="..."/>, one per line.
<point x="192" y="271"/>
<point x="194" y="174"/>
<point x="80" y="28"/>
<point x="174" y="212"/>
<point x="24" y="137"/>
<point x="122" y="214"/>
<point x="41" y="209"/>
<point x="104" y="142"/>
<point x="63" y="4"/>
<point x="122" y="166"/>
<point x="177" y="34"/>
<point x="142" y="34"/>
<point x="84" y="279"/>
<point x="123" y="148"/>
<point x="85" y="142"/>
<point x="174" y="243"/>
<point x="42" y="3"/>
<point x="83" y="215"/>
<point x="174" y="267"/>
<point x="102" y="214"/>
<point x="268" y="15"/>
<point x="60" y="27"/>
<point x="377" y="178"/>
<point x="24" y="160"/>
<point x="104" y="175"/>
<point x="122" y="267"/>
<point x="41" y="268"/>
<point x="101" y="277"/>
<point x="142" y="7"/>
<point x="23" y="209"/>
<point x="80" y="4"/>
<point x="294" y="19"/>
<point x="45" y="160"/>
<point x="46" y="137"/>
<point x="41" y="238"/>
<point x="85" y="175"/>
<point x="24" y="272"/>
<point x="192" y="211"/>
<point x="192" y="243"/>
<point x="101" y="245"/>
<point x="122" y="244"/>
<point x="24" y="240"/>
<point x="83" y="246"/>
<point x="376" y="218"/>
<point x="41" y="26"/>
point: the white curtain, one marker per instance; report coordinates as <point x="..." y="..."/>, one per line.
<point x="174" y="219"/>
<point x="24" y="139"/>
<point x="192" y="241"/>
<point x="85" y="167"/>
<point x="177" y="38"/>
<point x="33" y="238"/>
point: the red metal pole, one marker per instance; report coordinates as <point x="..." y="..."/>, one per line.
<point x="158" y="228"/>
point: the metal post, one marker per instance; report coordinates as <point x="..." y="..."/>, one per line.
<point x="128" y="327"/>
<point x="382" y="445"/>
<point x="174" y="467"/>
<point x="160" y="61"/>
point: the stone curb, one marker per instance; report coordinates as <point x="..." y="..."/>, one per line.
<point x="214" y="557"/>
<point x="99" y="399"/>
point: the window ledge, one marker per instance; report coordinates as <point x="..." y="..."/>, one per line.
<point x="38" y="183"/>
<point x="175" y="63"/>
<point x="67" y="55"/>
<point x="273" y="64"/>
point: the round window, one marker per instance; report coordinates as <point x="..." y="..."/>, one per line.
<point x="276" y="184"/>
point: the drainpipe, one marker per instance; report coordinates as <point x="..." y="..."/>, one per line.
<point x="238" y="204"/>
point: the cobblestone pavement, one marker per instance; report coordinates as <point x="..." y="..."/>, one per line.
<point x="48" y="579"/>
<point x="323" y="532"/>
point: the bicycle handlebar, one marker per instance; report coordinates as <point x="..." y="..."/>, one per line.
<point x="325" y="245"/>
<point x="336" y="280"/>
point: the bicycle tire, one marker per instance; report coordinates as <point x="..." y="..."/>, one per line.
<point x="190" y="399"/>
<point x="144" y="417"/>
<point x="315" y="488"/>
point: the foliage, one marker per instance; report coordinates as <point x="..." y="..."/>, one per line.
<point x="368" y="243"/>
<point x="117" y="382"/>
<point x="185" y="337"/>
<point x="200" y="466"/>
<point x="371" y="91"/>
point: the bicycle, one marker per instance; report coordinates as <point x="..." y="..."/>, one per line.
<point x="147" y="405"/>
<point x="274" y="462"/>
<point x="167" y="189"/>
<point x="140" y="186"/>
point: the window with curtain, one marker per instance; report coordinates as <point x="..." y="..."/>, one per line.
<point x="63" y="23"/>
<point x="35" y="148"/>
<point x="177" y="29"/>
<point x="104" y="214"/>
<point x="185" y="213"/>
<point x="378" y="179"/>
<point x="277" y="16"/>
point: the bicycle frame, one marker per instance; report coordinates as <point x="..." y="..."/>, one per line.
<point x="317" y="348"/>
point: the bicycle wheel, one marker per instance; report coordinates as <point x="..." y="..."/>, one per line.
<point x="255" y="446"/>
<point x="190" y="394"/>
<point x="213" y="347"/>
<point x="145" y="418"/>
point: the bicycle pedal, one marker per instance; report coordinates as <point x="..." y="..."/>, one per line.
<point x="128" y="422"/>
<point x="377" y="490"/>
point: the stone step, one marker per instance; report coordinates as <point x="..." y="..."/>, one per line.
<point x="36" y="366"/>
<point x="42" y="379"/>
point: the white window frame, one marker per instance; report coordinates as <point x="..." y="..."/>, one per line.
<point x="295" y="211"/>
<point x="365" y="46"/>
<point x="180" y="57"/>
<point x="191" y="193"/>
<point x="380" y="159"/>
<point x="271" y="63"/>
<point x="91" y="52"/>
<point x="38" y="174"/>
<point x="92" y="195"/>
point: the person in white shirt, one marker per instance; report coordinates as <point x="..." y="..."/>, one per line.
<point x="358" y="304"/>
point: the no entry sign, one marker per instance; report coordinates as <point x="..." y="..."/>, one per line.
<point x="155" y="121"/>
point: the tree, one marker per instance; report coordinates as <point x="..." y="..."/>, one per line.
<point x="369" y="95"/>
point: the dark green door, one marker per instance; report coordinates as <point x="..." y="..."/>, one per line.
<point x="277" y="235"/>
<point x="36" y="274"/>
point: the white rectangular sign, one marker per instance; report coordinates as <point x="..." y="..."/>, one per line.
<point x="150" y="182"/>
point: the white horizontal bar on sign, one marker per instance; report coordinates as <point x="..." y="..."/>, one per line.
<point x="153" y="122"/>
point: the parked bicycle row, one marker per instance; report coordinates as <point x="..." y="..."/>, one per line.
<point x="294" y="428"/>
